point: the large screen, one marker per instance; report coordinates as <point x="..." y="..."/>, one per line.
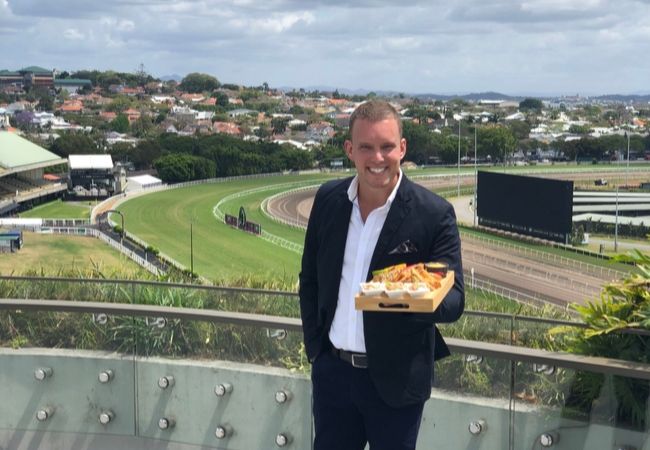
<point x="533" y="206"/>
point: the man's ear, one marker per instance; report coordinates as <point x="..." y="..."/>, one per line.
<point x="402" y="148"/>
<point x="347" y="146"/>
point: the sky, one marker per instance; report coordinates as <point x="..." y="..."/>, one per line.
<point x="534" y="47"/>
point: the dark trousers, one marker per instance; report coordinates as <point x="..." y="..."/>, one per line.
<point x="348" y="412"/>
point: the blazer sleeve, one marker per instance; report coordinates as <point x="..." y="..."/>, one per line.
<point x="446" y="247"/>
<point x="308" y="278"/>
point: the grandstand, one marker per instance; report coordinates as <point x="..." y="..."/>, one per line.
<point x="95" y="176"/>
<point x="21" y="174"/>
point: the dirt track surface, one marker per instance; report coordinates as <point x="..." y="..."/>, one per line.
<point x="554" y="281"/>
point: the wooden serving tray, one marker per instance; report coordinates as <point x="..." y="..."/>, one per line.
<point x="427" y="303"/>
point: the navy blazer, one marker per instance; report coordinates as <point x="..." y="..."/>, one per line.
<point x="401" y="347"/>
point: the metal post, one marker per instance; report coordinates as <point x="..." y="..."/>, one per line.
<point x="616" y="224"/>
<point x="475" y="174"/>
<point x="191" y="250"/>
<point x="458" y="190"/>
<point x="627" y="168"/>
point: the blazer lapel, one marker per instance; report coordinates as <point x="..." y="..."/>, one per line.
<point x="398" y="211"/>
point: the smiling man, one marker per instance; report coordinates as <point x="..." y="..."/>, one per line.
<point x="372" y="371"/>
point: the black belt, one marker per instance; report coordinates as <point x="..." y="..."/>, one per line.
<point x="358" y="360"/>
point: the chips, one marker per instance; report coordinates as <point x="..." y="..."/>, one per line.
<point x="401" y="273"/>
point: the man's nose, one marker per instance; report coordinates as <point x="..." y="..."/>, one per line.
<point x="377" y="154"/>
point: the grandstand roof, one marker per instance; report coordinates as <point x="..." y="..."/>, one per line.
<point x="90" y="162"/>
<point x="17" y="153"/>
<point x="36" y="69"/>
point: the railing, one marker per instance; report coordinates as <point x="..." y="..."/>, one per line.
<point x="546" y="256"/>
<point x="101" y="375"/>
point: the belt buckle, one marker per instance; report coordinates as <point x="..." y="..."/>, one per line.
<point x="359" y="365"/>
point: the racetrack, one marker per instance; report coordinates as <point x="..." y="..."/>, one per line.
<point x="553" y="280"/>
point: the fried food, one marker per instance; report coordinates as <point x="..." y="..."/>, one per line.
<point x="402" y="273"/>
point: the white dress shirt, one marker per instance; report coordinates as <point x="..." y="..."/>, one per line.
<point x="346" y="332"/>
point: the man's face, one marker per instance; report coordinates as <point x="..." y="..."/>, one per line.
<point x="376" y="150"/>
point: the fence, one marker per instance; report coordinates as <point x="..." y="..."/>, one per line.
<point x="593" y="269"/>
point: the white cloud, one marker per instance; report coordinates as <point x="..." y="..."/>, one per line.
<point x="279" y="23"/>
<point x="73" y="34"/>
<point x="410" y="46"/>
<point x="125" y="25"/>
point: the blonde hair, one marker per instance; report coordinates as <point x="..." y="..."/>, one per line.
<point x="374" y="111"/>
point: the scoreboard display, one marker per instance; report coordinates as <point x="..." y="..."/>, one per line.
<point x="533" y="206"/>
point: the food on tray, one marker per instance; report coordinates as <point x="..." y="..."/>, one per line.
<point x="417" y="289"/>
<point x="402" y="280"/>
<point x="405" y="289"/>
<point x="402" y="273"/>
<point x="373" y="288"/>
<point x="437" y="267"/>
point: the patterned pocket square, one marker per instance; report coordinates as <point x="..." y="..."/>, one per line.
<point x="404" y="248"/>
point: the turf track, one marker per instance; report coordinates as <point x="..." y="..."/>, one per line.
<point x="163" y="220"/>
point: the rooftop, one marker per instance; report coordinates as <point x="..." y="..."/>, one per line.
<point x="16" y="151"/>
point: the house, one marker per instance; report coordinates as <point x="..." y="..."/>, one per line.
<point x="227" y="128"/>
<point x="71" y="85"/>
<point x="71" y="106"/>
<point x="320" y="131"/>
<point x="516" y="116"/>
<point x="160" y="99"/>
<point x="107" y="115"/>
<point x="192" y="98"/>
<point x="241" y="112"/>
<point x="132" y="114"/>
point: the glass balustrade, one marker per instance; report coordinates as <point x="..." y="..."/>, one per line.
<point x="223" y="369"/>
<point x="577" y="409"/>
<point x="65" y="372"/>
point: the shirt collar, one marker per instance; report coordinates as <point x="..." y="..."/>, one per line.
<point x="353" y="190"/>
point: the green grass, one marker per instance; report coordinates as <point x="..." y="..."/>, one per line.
<point x="49" y="254"/>
<point x="59" y="210"/>
<point x="163" y="219"/>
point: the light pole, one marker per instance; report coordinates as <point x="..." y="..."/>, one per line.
<point x="191" y="249"/>
<point x="616" y="224"/>
<point x="627" y="168"/>
<point x="458" y="190"/>
<point x="475" y="174"/>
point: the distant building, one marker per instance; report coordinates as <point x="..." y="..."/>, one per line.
<point x="72" y="85"/>
<point x="91" y="176"/>
<point x="32" y="76"/>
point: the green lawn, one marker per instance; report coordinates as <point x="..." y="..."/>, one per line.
<point x="163" y="219"/>
<point x="51" y="254"/>
<point x="59" y="210"/>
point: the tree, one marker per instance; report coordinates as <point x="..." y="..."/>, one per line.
<point x="531" y="104"/>
<point x="71" y="144"/>
<point x="199" y="82"/>
<point x="120" y="123"/>
<point x="121" y="151"/>
<point x="579" y="129"/>
<point x="279" y="124"/>
<point x="24" y="119"/>
<point x="46" y="103"/>
<point x="222" y="99"/>
<point x="520" y="129"/>
<point x="142" y="126"/>
<point x="496" y="141"/>
<point x="145" y="153"/>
